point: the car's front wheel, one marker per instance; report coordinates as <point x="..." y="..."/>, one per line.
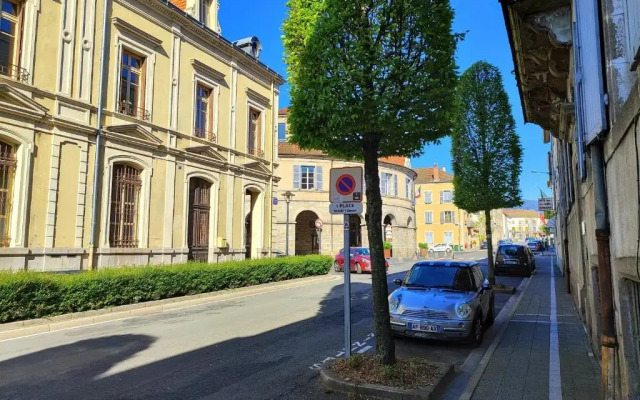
<point x="477" y="331"/>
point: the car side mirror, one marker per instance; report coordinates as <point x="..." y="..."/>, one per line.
<point x="398" y="281"/>
<point x="486" y="285"/>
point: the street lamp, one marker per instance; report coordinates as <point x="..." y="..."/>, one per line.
<point x="539" y="172"/>
<point x="287" y="196"/>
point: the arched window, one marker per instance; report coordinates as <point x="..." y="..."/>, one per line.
<point x="7" y="173"/>
<point x="125" y="202"/>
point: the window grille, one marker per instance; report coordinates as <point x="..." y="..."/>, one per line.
<point x="125" y="198"/>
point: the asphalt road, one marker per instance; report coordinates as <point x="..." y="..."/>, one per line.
<point x="265" y="346"/>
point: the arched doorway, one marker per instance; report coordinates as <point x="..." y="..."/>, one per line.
<point x="387" y="232"/>
<point x="355" y="230"/>
<point x="253" y="222"/>
<point x="306" y="236"/>
<point x="199" y="206"/>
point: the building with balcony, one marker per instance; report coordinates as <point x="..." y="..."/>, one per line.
<point x="305" y="174"/>
<point x="148" y="139"/>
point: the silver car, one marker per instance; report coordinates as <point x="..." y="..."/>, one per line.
<point x="442" y="300"/>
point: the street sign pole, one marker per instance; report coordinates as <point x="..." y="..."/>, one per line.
<point x="347" y="289"/>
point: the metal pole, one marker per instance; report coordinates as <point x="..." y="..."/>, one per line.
<point x="286" y="246"/>
<point x="347" y="289"/>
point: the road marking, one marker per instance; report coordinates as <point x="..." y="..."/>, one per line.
<point x="531" y="321"/>
<point x="555" y="383"/>
<point x="359" y="347"/>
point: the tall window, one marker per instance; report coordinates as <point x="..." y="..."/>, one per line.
<point x="125" y="200"/>
<point x="131" y="99"/>
<point x="428" y="217"/>
<point x="446" y="196"/>
<point x="388" y="184"/>
<point x="307" y="178"/>
<point x="204" y="113"/>
<point x="428" y="197"/>
<point x="282" y="132"/>
<point x="428" y="237"/>
<point x="255" y="133"/>
<point x="7" y="172"/>
<point x="205" y="10"/>
<point x="448" y="237"/>
<point x="407" y="187"/>
<point x="10" y="31"/>
<point x="447" y="217"/>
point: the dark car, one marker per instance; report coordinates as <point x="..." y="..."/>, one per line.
<point x="535" y="245"/>
<point x="515" y="258"/>
<point x="359" y="260"/>
<point x="483" y="245"/>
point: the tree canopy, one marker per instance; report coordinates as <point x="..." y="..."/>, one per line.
<point x="370" y="71"/>
<point x="486" y="150"/>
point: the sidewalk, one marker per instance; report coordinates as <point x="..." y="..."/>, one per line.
<point x="544" y="352"/>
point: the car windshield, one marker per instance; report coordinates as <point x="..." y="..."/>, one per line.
<point x="362" y="252"/>
<point x="510" y="250"/>
<point x="423" y="276"/>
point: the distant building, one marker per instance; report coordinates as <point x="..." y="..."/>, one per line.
<point x="305" y="174"/>
<point x="521" y="224"/>
<point x="438" y="219"/>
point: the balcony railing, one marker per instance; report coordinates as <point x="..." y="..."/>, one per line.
<point x="254" y="151"/>
<point x="204" y="134"/>
<point x="127" y="108"/>
<point x="14" y="72"/>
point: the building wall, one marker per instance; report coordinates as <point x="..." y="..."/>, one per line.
<point x="438" y="228"/>
<point x="399" y="209"/>
<point x="50" y="116"/>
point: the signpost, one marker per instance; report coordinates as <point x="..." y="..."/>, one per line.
<point x="345" y="195"/>
<point x="545" y="204"/>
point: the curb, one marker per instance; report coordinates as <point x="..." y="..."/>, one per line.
<point x="14" y="330"/>
<point x="484" y="362"/>
<point x="504" y="290"/>
<point x="331" y="381"/>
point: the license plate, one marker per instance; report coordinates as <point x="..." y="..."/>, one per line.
<point x="424" y="328"/>
<point x="510" y="262"/>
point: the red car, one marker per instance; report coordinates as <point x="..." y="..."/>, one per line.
<point x="360" y="260"/>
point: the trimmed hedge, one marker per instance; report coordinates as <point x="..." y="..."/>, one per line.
<point x="27" y="295"/>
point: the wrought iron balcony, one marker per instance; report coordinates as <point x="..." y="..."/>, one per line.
<point x="254" y="151"/>
<point x="127" y="108"/>
<point x="204" y="134"/>
<point x="15" y="72"/>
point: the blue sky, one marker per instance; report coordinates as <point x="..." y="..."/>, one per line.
<point x="486" y="40"/>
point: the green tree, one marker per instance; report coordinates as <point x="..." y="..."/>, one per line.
<point x="370" y="79"/>
<point x="485" y="147"/>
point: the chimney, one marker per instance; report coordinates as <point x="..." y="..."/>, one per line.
<point x="436" y="173"/>
<point x="444" y="169"/>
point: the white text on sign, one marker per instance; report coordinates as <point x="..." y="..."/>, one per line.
<point x="345" y="208"/>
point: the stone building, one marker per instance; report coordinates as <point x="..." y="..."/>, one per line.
<point x="576" y="63"/>
<point x="132" y="132"/>
<point x="521" y="224"/>
<point x="305" y="174"/>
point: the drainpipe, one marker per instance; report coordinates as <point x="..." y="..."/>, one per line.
<point x="96" y="171"/>
<point x="609" y="342"/>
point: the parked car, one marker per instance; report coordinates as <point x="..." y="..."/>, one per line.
<point x="442" y="247"/>
<point x="514" y="258"/>
<point x="359" y="260"/>
<point x="535" y="245"/>
<point x="483" y="245"/>
<point x="506" y="241"/>
<point x="442" y="300"/>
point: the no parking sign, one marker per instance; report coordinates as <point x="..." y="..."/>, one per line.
<point x="346" y="185"/>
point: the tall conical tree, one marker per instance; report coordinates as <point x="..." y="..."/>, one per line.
<point x="486" y="150"/>
<point x="371" y="79"/>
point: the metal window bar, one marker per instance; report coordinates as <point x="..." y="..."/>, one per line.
<point x="125" y="197"/>
<point x="254" y="151"/>
<point x="15" y="72"/>
<point x="7" y="171"/>
<point x="126" y="108"/>
<point x="205" y="134"/>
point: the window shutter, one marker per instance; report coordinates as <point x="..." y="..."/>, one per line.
<point x="453" y="217"/>
<point x="589" y="85"/>
<point x="426" y="217"/>
<point x="318" y="178"/>
<point x="426" y="197"/>
<point x="395" y="185"/>
<point x="633" y="22"/>
<point x="296" y="177"/>
<point x="441" y="197"/>
<point x="442" y="217"/>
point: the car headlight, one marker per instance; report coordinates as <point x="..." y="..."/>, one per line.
<point x="365" y="261"/>
<point x="463" y="310"/>
<point x="394" y="303"/>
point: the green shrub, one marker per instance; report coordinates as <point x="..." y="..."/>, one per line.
<point x="27" y="295"/>
<point x="387" y="245"/>
<point x="423" y="246"/>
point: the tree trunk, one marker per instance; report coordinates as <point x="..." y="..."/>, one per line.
<point x="385" y="346"/>
<point x="491" y="267"/>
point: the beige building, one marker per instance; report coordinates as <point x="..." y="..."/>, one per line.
<point x="305" y="174"/>
<point x="521" y="224"/>
<point x="163" y="153"/>
<point x="439" y="220"/>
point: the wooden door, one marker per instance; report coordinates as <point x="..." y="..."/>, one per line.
<point x="199" y="206"/>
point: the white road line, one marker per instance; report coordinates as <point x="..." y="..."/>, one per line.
<point x="555" y="381"/>
<point x="365" y="349"/>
